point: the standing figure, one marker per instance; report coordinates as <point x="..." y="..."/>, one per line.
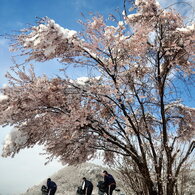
<point x="109" y="182"/>
<point x="87" y="186"/>
<point x="51" y="186"/>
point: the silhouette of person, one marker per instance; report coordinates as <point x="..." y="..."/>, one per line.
<point x="87" y="186"/>
<point x="109" y="182"/>
<point x="51" y="186"/>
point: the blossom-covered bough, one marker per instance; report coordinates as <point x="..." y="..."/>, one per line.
<point x="128" y="106"/>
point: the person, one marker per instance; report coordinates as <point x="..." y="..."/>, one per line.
<point x="109" y="182"/>
<point x="51" y="187"/>
<point x="87" y="186"/>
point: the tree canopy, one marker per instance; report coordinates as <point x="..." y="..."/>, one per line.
<point x="129" y="105"/>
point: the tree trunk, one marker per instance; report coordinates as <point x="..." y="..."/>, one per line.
<point x="151" y="190"/>
<point x="170" y="187"/>
<point x="160" y="188"/>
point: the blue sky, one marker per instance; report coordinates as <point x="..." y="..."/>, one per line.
<point x="27" y="168"/>
<point x="16" y="13"/>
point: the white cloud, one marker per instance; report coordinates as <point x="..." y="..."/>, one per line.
<point x="25" y="169"/>
<point x="185" y="8"/>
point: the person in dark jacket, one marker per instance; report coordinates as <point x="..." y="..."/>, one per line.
<point x="51" y="186"/>
<point x="87" y="186"/>
<point x="109" y="182"/>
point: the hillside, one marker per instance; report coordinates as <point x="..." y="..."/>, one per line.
<point x="70" y="177"/>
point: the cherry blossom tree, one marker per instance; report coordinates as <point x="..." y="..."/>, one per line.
<point x="129" y="105"/>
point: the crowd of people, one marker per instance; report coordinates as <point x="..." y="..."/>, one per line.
<point x="104" y="187"/>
